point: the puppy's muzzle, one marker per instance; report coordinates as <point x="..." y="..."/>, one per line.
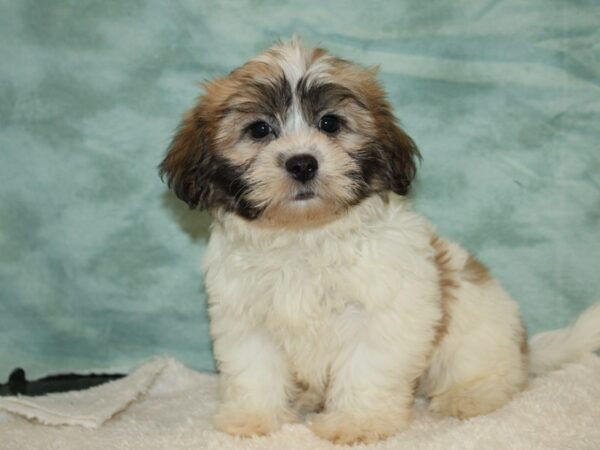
<point x="302" y="167"/>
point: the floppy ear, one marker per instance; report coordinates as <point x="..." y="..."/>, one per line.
<point x="398" y="153"/>
<point x="186" y="165"/>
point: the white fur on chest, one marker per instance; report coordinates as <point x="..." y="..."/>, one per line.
<point x="313" y="291"/>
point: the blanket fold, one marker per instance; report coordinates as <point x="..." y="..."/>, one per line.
<point x="88" y="408"/>
<point x="164" y="405"/>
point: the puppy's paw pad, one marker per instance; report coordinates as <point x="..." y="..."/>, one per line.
<point x="246" y="424"/>
<point x="463" y="404"/>
<point x="344" y="428"/>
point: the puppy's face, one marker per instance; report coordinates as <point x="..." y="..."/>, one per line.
<point x="295" y="137"/>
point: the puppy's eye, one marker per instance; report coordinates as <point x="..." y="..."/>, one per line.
<point x="260" y="130"/>
<point x="329" y="124"/>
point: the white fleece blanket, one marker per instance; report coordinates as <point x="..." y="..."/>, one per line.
<point x="164" y="405"/>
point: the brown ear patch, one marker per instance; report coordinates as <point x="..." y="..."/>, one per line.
<point x="185" y="157"/>
<point x="398" y="151"/>
<point x="198" y="174"/>
<point x="391" y="154"/>
<point x="388" y="157"/>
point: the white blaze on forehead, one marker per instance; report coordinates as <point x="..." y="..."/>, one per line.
<point x="294" y="59"/>
<point x="294" y="63"/>
<point x="313" y="73"/>
<point x="295" y="121"/>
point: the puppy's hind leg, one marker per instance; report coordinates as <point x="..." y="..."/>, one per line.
<point x="482" y="361"/>
<point x="472" y="398"/>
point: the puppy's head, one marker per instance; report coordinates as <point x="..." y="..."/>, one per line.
<point x="293" y="137"/>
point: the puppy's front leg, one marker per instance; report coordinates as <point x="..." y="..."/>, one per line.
<point x="372" y="382"/>
<point x="254" y="383"/>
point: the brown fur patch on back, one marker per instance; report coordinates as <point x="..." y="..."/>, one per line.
<point x="523" y="342"/>
<point x="447" y="283"/>
<point x="524" y="349"/>
<point x="475" y="272"/>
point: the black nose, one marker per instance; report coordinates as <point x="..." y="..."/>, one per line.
<point x="302" y="167"/>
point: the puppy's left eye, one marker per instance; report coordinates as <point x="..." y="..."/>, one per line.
<point x="260" y="129"/>
<point x="329" y="124"/>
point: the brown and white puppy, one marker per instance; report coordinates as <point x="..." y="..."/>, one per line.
<point x="326" y="293"/>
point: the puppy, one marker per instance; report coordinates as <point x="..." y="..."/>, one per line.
<point x="327" y="294"/>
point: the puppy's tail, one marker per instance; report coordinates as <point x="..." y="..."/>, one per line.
<point x="551" y="349"/>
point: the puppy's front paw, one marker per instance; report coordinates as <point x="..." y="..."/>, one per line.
<point x="247" y="423"/>
<point x="347" y="428"/>
<point x="239" y="421"/>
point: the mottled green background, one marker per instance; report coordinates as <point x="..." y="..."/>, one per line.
<point x="99" y="267"/>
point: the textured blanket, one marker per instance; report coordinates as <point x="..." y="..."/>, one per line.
<point x="164" y="405"/>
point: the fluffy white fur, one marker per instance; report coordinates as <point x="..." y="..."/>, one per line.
<point x="551" y="349"/>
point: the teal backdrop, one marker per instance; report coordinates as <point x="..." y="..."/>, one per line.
<point x="100" y="266"/>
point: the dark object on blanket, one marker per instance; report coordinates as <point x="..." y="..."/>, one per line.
<point x="19" y="385"/>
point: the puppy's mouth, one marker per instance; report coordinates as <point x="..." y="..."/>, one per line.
<point x="305" y="195"/>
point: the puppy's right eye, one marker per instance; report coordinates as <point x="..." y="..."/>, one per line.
<point x="260" y="130"/>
